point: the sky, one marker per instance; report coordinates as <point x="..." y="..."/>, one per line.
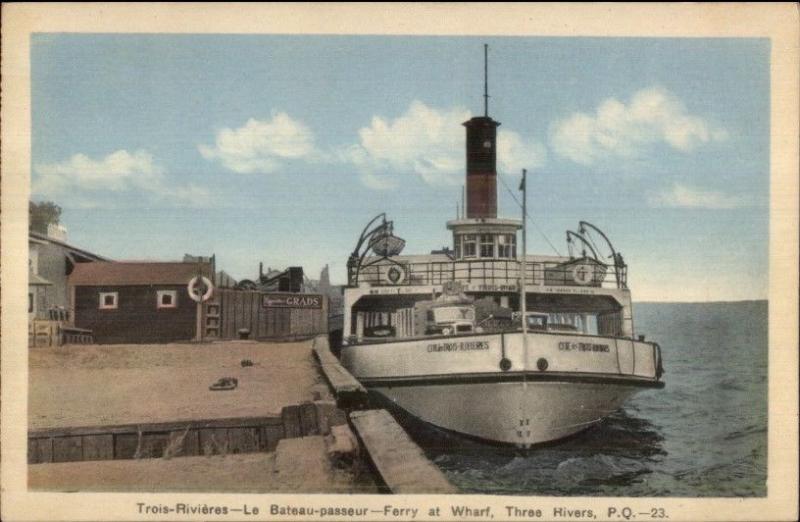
<point x="279" y="148"/>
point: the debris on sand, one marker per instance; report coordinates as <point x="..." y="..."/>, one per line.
<point x="225" y="383"/>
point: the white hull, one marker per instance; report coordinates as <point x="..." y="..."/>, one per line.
<point x="456" y="383"/>
<point x="513" y="412"/>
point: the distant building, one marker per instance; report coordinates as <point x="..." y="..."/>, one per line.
<point x="50" y="261"/>
<point x="445" y="251"/>
<point x="221" y="278"/>
<point x="136" y="302"/>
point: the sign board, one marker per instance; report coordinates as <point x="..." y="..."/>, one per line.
<point x="403" y="290"/>
<point x="303" y="301"/>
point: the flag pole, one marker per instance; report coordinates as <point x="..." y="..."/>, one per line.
<point x="523" y="268"/>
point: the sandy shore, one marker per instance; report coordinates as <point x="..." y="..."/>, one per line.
<point x="121" y="384"/>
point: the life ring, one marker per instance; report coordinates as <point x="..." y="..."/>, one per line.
<point x="583" y="274"/>
<point x="192" y="287"/>
<point x="395" y="275"/>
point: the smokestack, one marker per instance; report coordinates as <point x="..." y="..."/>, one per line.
<point x="482" y="158"/>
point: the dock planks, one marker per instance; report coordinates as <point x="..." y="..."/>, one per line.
<point x="399" y="462"/>
<point x="348" y="391"/>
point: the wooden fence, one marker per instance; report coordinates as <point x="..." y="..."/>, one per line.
<point x="182" y="438"/>
<point x="232" y="311"/>
<point x="43" y="332"/>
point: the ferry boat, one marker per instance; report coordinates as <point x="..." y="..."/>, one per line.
<point x="484" y="340"/>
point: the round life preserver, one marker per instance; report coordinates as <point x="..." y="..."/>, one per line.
<point x="583" y="274"/>
<point x="395" y="275"/>
<point x="192" y="288"/>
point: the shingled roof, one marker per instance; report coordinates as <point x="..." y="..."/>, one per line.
<point x="135" y="273"/>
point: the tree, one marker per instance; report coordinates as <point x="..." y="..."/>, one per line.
<point x="42" y="214"/>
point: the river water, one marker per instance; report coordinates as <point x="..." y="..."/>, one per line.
<point x="703" y="435"/>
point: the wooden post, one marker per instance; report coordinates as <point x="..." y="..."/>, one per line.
<point x="359" y="325"/>
<point x="199" y="327"/>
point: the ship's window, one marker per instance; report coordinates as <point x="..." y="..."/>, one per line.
<point x="537" y="322"/>
<point x="507" y="245"/>
<point x="487" y="245"/>
<point x="470" y="245"/>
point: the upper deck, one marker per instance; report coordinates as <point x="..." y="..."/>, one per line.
<point x="490" y="275"/>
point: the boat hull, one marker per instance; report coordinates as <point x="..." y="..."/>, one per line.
<point x="457" y="384"/>
<point x="515" y="413"/>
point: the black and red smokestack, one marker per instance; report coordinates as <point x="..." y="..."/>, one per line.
<point x="482" y="158"/>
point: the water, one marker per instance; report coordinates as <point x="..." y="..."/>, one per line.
<point x="703" y="435"/>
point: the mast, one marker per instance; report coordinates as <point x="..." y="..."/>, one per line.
<point x="523" y="266"/>
<point x="486" y="80"/>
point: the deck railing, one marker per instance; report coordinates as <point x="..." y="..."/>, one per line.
<point x="54" y="314"/>
<point x="490" y="272"/>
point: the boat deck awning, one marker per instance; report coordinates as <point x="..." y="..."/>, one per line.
<point x="386" y="303"/>
<point x="572" y="303"/>
<point x="536" y="302"/>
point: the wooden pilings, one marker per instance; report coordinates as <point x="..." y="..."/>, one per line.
<point x="398" y="461"/>
<point x="348" y="391"/>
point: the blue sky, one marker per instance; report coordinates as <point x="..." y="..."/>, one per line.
<point x="280" y="148"/>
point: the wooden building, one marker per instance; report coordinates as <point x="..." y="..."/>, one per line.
<point x="136" y="302"/>
<point x="50" y="262"/>
<point x="148" y="302"/>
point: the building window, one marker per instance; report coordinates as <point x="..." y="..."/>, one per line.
<point x="470" y="245"/>
<point x="487" y="245"/>
<point x="30" y="302"/>
<point x="457" y="245"/>
<point x="507" y="245"/>
<point x="109" y="300"/>
<point x="167" y="299"/>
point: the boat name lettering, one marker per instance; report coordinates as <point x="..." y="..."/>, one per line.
<point x="401" y="290"/>
<point x="566" y="346"/>
<point x="567" y="290"/>
<point x="463" y="346"/>
<point x="492" y="288"/>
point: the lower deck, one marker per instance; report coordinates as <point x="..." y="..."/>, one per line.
<point x="376" y="314"/>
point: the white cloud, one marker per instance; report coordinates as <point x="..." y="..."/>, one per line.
<point x="620" y="131"/>
<point x="428" y="142"/>
<point x="514" y="153"/>
<point x="424" y="141"/>
<point x="121" y="171"/>
<point x="683" y="196"/>
<point x="261" y="146"/>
